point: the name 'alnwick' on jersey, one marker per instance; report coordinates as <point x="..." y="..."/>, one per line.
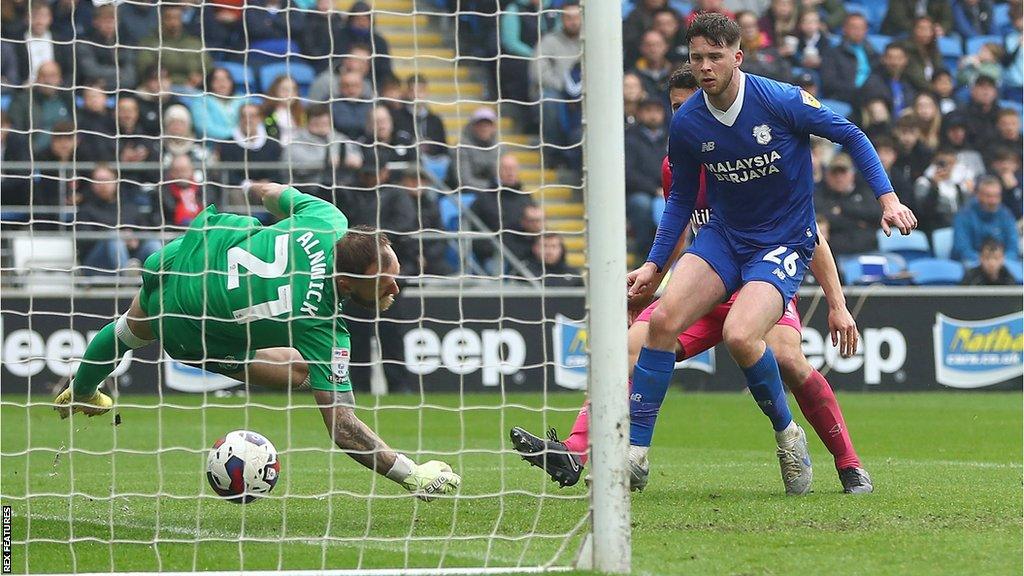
<point x="317" y="272"/>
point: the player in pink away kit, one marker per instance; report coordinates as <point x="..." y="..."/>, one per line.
<point x="564" y="460"/>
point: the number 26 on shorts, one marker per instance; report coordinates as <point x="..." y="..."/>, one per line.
<point x="788" y="262"/>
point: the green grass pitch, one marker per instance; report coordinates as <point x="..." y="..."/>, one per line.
<point x="947" y="469"/>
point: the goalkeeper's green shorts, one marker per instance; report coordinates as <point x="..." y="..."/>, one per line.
<point x="179" y="336"/>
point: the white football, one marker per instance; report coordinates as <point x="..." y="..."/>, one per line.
<point x="242" y="466"/>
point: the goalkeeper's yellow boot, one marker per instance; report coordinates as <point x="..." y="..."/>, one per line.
<point x="432" y="478"/>
<point x="98" y="403"/>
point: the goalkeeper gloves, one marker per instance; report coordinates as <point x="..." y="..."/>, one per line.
<point x="427" y="480"/>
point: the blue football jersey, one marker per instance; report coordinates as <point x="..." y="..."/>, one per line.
<point x="757" y="156"/>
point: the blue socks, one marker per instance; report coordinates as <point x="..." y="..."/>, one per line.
<point x="765" y="385"/>
<point x="651" y="377"/>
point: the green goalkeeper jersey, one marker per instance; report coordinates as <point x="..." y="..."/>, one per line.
<point x="231" y="286"/>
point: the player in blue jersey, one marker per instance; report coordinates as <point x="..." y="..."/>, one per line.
<point x="752" y="137"/>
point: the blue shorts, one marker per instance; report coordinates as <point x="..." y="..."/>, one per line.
<point x="737" y="263"/>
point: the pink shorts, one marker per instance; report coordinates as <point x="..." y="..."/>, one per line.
<point x="706" y="333"/>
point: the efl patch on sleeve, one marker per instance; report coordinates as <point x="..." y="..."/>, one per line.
<point x="809" y="100"/>
<point x="339" y="364"/>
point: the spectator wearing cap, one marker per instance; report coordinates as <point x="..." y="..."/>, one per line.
<point x="890" y="82"/>
<point x="100" y="56"/>
<point x="249" y="144"/>
<point x="42" y="106"/>
<point x="557" y="53"/>
<point x="1006" y="165"/>
<point x="645" y="148"/>
<point x="639" y="21"/>
<point x="984" y="217"/>
<point x="923" y="56"/>
<point x="174" y="48"/>
<point x="899" y="19"/>
<point x="317" y="152"/>
<point x="973" y="18"/>
<point x="851" y="209"/>
<point x="758" y="59"/>
<point x="937" y="194"/>
<point x="846" y="67"/>
<point x="358" y="30"/>
<point x="179" y="140"/>
<point x="991" y="269"/>
<point x="477" y="157"/>
<point x="352" y="110"/>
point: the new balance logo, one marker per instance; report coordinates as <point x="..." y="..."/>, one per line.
<point x="636" y="397"/>
<point x="707" y="146"/>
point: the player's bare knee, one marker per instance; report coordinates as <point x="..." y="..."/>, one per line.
<point x="662" y="329"/>
<point x="740" y="338"/>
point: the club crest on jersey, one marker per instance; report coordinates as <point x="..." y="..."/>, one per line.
<point x="763" y="134"/>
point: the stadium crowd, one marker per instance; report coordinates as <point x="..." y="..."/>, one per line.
<point x="171" y="114"/>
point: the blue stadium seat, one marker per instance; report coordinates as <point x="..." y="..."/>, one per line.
<point x="952" y="48"/>
<point x="245" y="82"/>
<point x="684" y="7"/>
<point x="1016" y="269"/>
<point x="912" y="247"/>
<point x="973" y="44"/>
<point x="838" y="106"/>
<point x="302" y="73"/>
<point x="936" y="271"/>
<point x="879" y="41"/>
<point x="1001" y="23"/>
<point x="627" y="8"/>
<point x="853" y="271"/>
<point x="5" y="101"/>
<point x="942" y="242"/>
<point x="1013" y="105"/>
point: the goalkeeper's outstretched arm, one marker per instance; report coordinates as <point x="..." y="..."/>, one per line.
<point x="366" y="447"/>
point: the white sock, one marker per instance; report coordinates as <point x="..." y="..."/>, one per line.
<point x="638" y="452"/>
<point x="787" y="433"/>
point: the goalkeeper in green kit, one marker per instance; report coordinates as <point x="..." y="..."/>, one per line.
<point x="261" y="304"/>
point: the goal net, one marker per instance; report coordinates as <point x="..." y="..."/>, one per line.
<point x="457" y="128"/>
